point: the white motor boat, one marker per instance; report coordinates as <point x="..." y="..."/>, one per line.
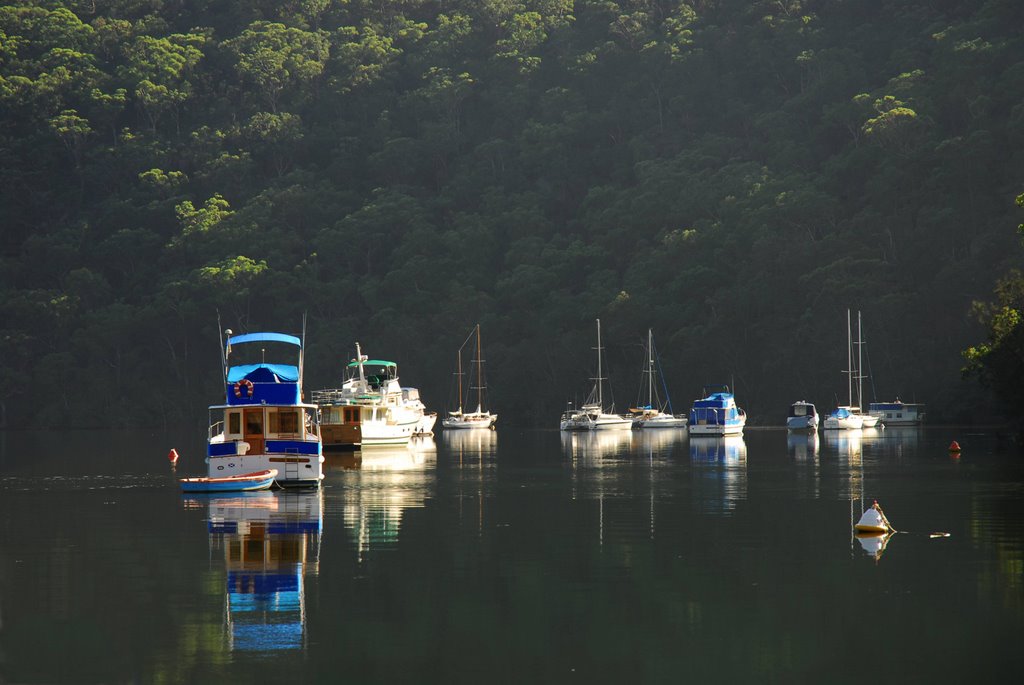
<point x="802" y="416"/>
<point x="371" y="408"/>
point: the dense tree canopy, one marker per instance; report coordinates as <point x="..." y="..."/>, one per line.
<point x="734" y="174"/>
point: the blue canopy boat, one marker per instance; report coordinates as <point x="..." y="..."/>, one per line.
<point x="260" y="480"/>
<point x="263" y="423"/>
<point x="717" y="414"/>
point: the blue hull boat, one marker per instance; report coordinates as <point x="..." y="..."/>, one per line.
<point x="258" y="480"/>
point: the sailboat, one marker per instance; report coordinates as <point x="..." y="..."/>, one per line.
<point x="868" y="420"/>
<point x="592" y="415"/>
<point x="653" y="415"/>
<point x="480" y="418"/>
<point x="844" y="417"/>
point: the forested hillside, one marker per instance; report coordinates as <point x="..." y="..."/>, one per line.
<point x="734" y="174"/>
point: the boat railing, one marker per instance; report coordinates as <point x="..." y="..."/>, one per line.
<point x="329" y="396"/>
<point x="215" y="429"/>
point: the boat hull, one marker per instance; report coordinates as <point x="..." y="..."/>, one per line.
<point x="660" y="422"/>
<point x="425" y="426"/>
<point x="293" y="470"/>
<point x="716" y="429"/>
<point x="610" y="422"/>
<point x="469" y="422"/>
<point x="802" y="423"/>
<point x="848" y="423"/>
<point x="247" y="482"/>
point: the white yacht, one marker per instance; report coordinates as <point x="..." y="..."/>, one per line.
<point x="592" y="415"/>
<point x="481" y="418"/>
<point x="868" y="420"/>
<point x="842" y="418"/>
<point x="370" y="409"/>
<point x="846" y="417"/>
<point x="655" y="414"/>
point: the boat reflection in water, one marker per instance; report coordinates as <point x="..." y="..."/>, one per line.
<point x="805" y="448"/>
<point x="270" y="542"/>
<point x="720" y="472"/>
<point x="661" y="442"/>
<point x="803" y="445"/>
<point x="471" y="443"/>
<point x="846" y="445"/>
<point x="595" y="446"/>
<point x="378" y="494"/>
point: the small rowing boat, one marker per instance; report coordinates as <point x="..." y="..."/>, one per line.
<point x="257" y="480"/>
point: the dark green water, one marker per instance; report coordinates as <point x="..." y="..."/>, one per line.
<point x="517" y="557"/>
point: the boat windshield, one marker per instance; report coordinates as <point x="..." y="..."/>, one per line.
<point x="802" y="409"/>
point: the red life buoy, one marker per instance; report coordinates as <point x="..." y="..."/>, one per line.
<point x="244" y="383"/>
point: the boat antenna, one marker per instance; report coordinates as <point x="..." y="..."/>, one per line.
<point x="359" y="361"/>
<point x="302" y="350"/>
<point x="223" y="350"/>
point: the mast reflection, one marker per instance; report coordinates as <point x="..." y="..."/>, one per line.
<point x="270" y="542"/>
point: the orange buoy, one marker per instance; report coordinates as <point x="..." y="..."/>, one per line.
<point x="172" y="456"/>
<point x="954" y="447"/>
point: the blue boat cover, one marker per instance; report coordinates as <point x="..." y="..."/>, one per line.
<point x="841" y="413"/>
<point x="264" y="337"/>
<point x="285" y="373"/>
<point x="718" y="399"/>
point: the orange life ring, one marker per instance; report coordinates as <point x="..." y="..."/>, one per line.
<point x="244" y="383"/>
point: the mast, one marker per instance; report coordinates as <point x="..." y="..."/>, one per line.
<point x="849" y="358"/>
<point x="600" y="375"/>
<point x="362" y="376"/>
<point x="860" y="365"/>
<point x="459" y="374"/>
<point x="479" y="374"/>
<point x="650" y="368"/>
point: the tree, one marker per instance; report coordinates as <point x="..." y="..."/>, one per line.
<point x="999" y="361"/>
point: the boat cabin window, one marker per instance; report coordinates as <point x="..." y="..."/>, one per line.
<point x="284" y="421"/>
<point x="235" y="422"/>
<point x="351" y="415"/>
<point x="254" y="422"/>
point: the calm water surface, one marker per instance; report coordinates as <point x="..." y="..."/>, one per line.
<point x="517" y="556"/>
